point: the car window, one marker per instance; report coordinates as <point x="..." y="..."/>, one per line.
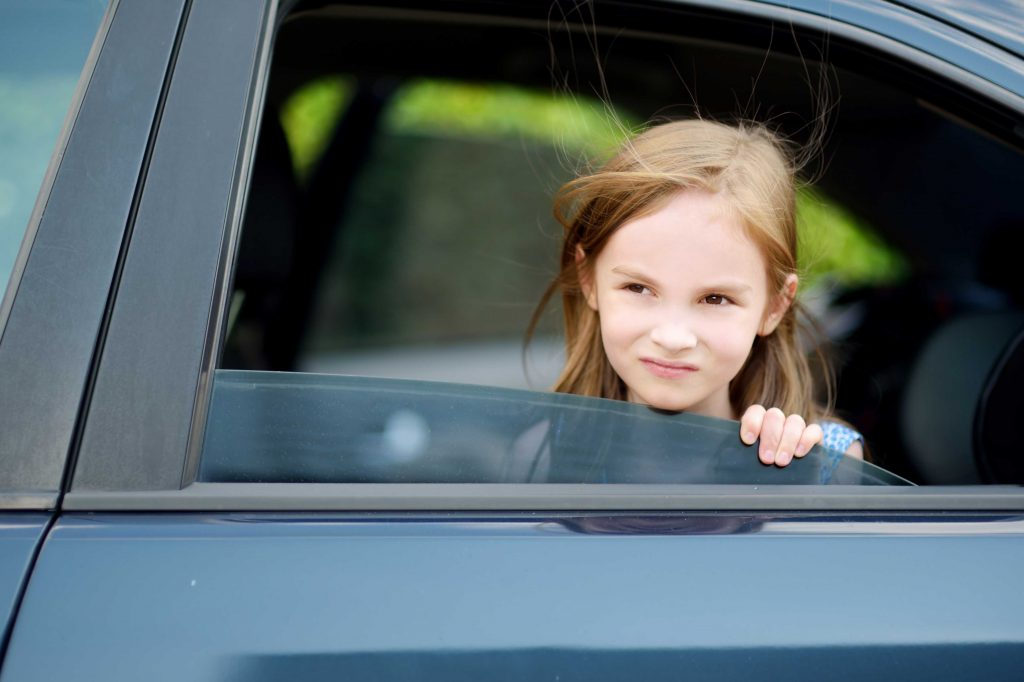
<point x="398" y="230"/>
<point x="320" y="428"/>
<point x="43" y="46"/>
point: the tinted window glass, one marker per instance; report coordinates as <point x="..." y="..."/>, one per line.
<point x="43" y="45"/>
<point x="279" y="427"/>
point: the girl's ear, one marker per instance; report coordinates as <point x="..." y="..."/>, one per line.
<point x="779" y="304"/>
<point x="585" y="275"/>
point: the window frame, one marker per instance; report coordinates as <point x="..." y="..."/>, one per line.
<point x="123" y="467"/>
<point x="166" y="316"/>
<point x="83" y="207"/>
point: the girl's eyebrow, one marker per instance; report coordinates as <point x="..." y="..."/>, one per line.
<point x="730" y="287"/>
<point x="632" y="274"/>
<point x="636" y="275"/>
<point x="726" y="286"/>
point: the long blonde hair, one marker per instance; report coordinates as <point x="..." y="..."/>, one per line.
<point x="752" y="169"/>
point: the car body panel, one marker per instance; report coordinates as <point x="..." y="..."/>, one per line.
<point x="20" y="535"/>
<point x="920" y="31"/>
<point x="999" y="21"/>
<point x="233" y="597"/>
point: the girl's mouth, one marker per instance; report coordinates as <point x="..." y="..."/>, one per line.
<point x="668" y="370"/>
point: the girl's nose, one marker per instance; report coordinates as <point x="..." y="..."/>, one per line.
<point x="674" y="336"/>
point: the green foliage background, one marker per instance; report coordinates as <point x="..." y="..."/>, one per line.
<point x="833" y="241"/>
<point x="401" y="273"/>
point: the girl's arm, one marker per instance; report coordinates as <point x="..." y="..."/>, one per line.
<point x="856" y="449"/>
<point x="784" y="437"/>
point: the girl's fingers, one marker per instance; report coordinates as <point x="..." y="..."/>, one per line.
<point x="782" y="437"/>
<point x="792" y="429"/>
<point x="771" y="434"/>
<point x="750" y="424"/>
<point x="812" y="436"/>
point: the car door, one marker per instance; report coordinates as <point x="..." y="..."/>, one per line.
<point x="157" y="569"/>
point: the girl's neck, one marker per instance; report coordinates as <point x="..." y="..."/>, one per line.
<point x="715" y="405"/>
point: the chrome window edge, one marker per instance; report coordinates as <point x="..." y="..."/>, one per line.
<point x="28" y="500"/>
<point x="546" y="497"/>
<point x="31" y="229"/>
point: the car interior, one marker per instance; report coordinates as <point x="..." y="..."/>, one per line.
<point x="409" y="234"/>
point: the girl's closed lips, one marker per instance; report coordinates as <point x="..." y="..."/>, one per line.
<point x="668" y="370"/>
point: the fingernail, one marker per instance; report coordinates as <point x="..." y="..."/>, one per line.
<point x="783" y="459"/>
<point x="801" y="450"/>
<point x="748" y="437"/>
<point x="767" y="456"/>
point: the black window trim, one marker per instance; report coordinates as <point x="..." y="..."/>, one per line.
<point x="114" y="453"/>
<point x="217" y="325"/>
<point x="83" y="210"/>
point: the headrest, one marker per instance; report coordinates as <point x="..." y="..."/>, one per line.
<point x="959" y="387"/>
<point x="1000" y="416"/>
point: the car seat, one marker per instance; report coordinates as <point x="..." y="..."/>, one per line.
<point x="962" y="401"/>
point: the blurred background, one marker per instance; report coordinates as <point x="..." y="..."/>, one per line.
<point x="457" y="186"/>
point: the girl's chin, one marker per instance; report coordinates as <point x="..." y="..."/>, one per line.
<point x="675" y="405"/>
<point x="662" y="404"/>
<point x="664" y="410"/>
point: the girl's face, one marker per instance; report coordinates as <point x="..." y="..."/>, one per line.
<point x="681" y="293"/>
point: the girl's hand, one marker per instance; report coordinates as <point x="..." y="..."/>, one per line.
<point x="782" y="437"/>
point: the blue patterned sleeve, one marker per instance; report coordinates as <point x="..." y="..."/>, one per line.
<point x="838" y="438"/>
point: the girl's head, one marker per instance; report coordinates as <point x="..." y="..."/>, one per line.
<point x="678" y="273"/>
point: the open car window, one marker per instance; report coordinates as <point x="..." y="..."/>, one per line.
<point x="398" y="235"/>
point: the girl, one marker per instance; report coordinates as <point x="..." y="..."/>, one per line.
<point x="678" y="282"/>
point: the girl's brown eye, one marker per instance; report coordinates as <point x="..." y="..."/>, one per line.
<point x="636" y="288"/>
<point x="715" y="299"/>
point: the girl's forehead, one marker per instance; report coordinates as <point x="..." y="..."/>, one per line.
<point x="695" y="231"/>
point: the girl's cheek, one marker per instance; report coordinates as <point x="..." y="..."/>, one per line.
<point x="732" y="334"/>
<point x="626" y="321"/>
<point x="623" y="323"/>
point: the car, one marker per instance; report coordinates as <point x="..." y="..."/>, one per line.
<point x="264" y="410"/>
